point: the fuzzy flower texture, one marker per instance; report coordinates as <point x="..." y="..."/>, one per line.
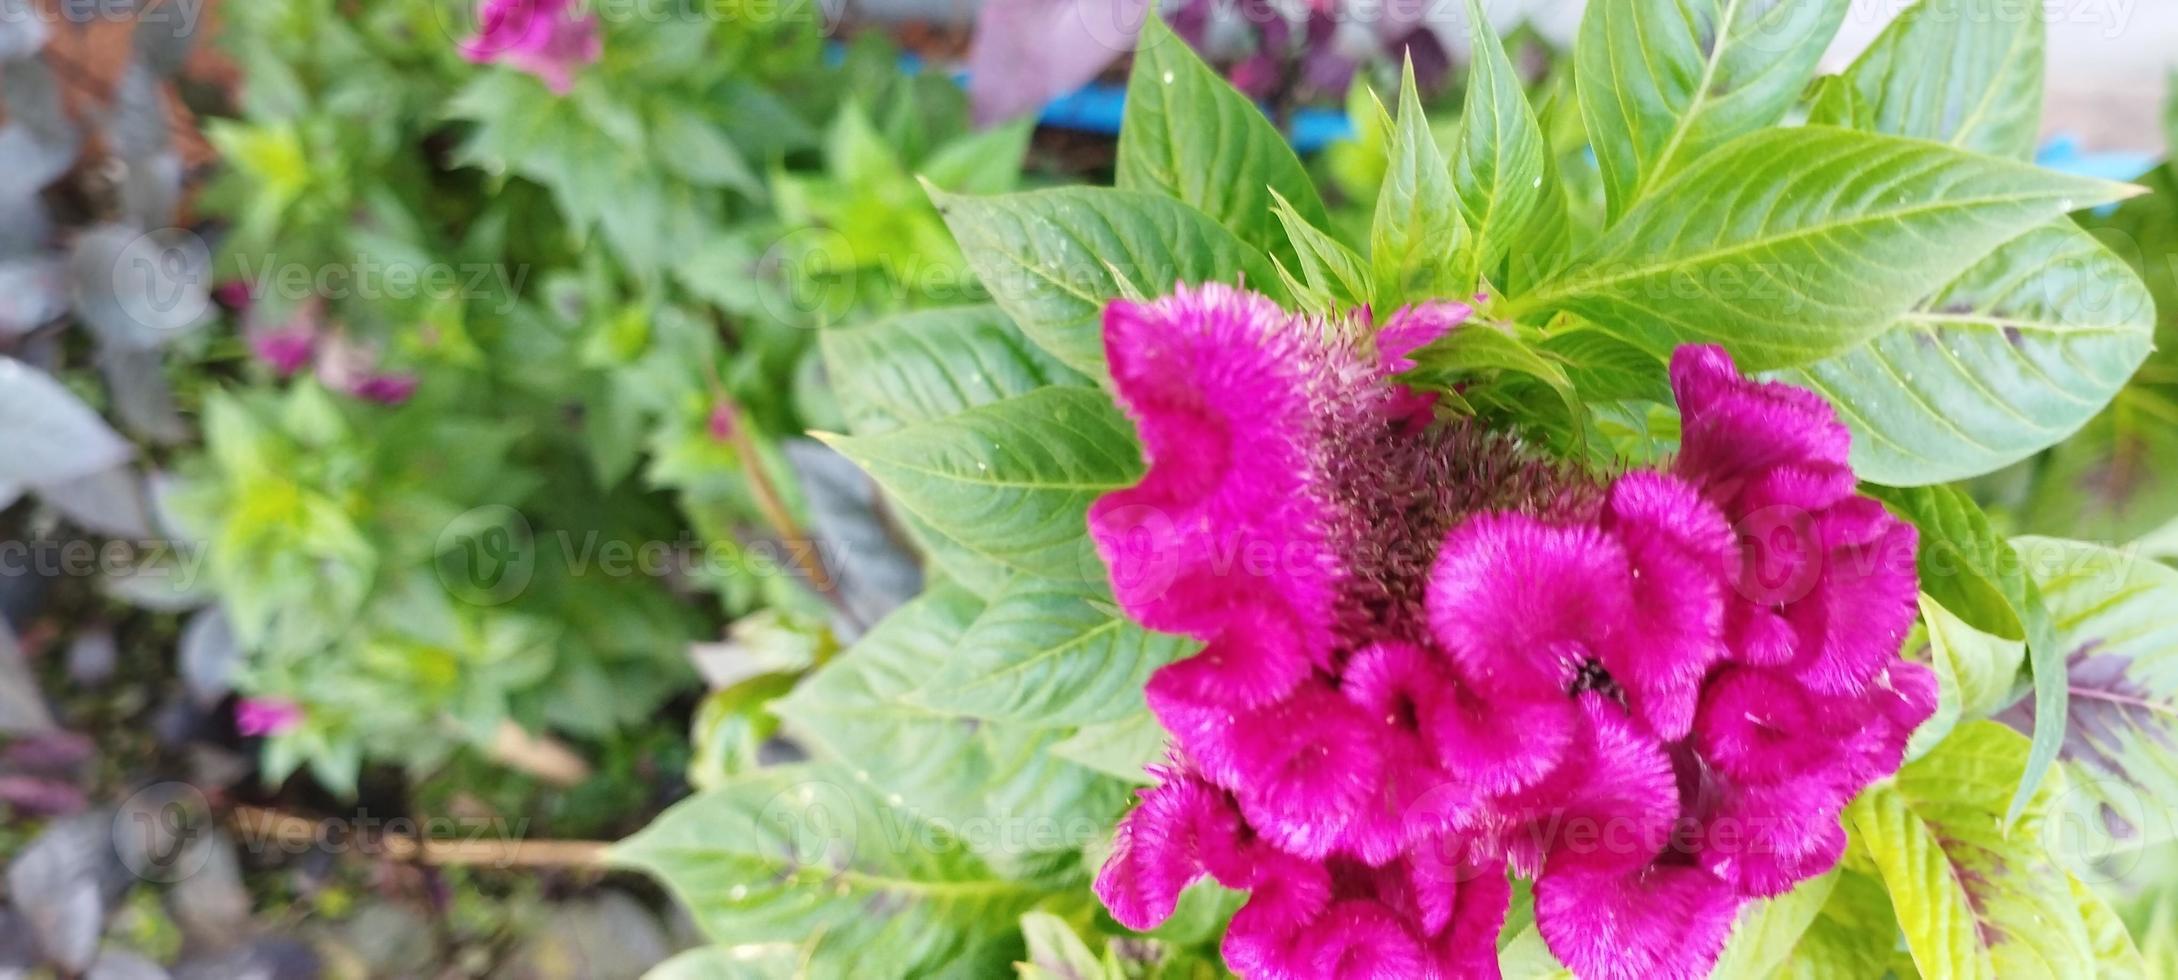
<point x="551" y="39"/>
<point x="1432" y="657"/>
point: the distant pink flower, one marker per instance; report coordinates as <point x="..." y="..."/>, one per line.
<point x="386" y="389"/>
<point x="286" y="350"/>
<point x="354" y="369"/>
<point x="288" y="347"/>
<point x="550" y="39"/>
<point x="721" y="423"/>
<point x="235" y="294"/>
<point x="258" y="717"/>
<point x="1430" y="657"/>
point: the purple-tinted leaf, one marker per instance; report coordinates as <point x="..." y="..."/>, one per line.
<point x="47" y="434"/>
<point x="22" y="30"/>
<point x="266" y="959"/>
<point x="142" y="399"/>
<point x="208" y="656"/>
<point x="140" y="289"/>
<point x="136" y="124"/>
<point x="111" y="502"/>
<point x="22" y="707"/>
<point x="873" y="572"/>
<point x="38" y="143"/>
<point x="50" y="753"/>
<point x="33" y="291"/>
<point x="38" y="797"/>
<point x="1028" y="52"/>
<point x="59" y="883"/>
<point x="2113" y="614"/>
<point x="116" y="964"/>
<point x="210" y="904"/>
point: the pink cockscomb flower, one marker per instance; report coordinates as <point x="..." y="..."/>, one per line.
<point x="259" y="717"/>
<point x="1432" y="658"/>
<point x="550" y="39"/>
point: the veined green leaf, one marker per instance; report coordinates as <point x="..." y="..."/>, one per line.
<point x="747" y="961"/>
<point x="2013" y="356"/>
<point x="926" y="365"/>
<point x="1963" y="563"/>
<point x="1189" y="135"/>
<point x="1975" y="673"/>
<point x="1770" y="930"/>
<point x="1056" y="952"/>
<point x="1052" y="656"/>
<point x="1012" y="480"/>
<point x="952" y="771"/>
<point x="1850" y="938"/>
<point x="1053" y="258"/>
<point x="1117" y="748"/>
<point x="1501" y="170"/>
<point x="1665" y="82"/>
<point x="2115" y="617"/>
<point x="1733" y="251"/>
<point x="1963" y="72"/>
<point x="2117" y="957"/>
<point x="1975" y="900"/>
<point x="1417" y="229"/>
<point x="807" y="856"/>
<point x="1333" y="279"/>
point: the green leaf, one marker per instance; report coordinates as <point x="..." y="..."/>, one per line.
<point x="1117" y="748"/>
<point x="1334" y="281"/>
<point x="1770" y="930"/>
<point x="1976" y="673"/>
<point x="1732" y="252"/>
<point x="2112" y="616"/>
<point x="1417" y="228"/>
<point x="1963" y="72"/>
<point x="2117" y="957"/>
<point x="1665" y="82"/>
<point x="1050" y="655"/>
<point x="926" y="365"/>
<point x="1501" y="171"/>
<point x="1056" y="952"/>
<point x="2010" y="358"/>
<point x="1189" y="135"/>
<point x="1974" y="900"/>
<point x="987" y="162"/>
<point x="1012" y="480"/>
<point x="1054" y="258"/>
<point x="1851" y="937"/>
<point x="1963" y="563"/>
<point x="689" y="144"/>
<point x="1487" y="347"/>
<point x="998" y="785"/>
<point x="750" y="961"/>
<point x="806" y="856"/>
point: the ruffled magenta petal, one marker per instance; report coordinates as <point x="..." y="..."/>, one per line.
<point x="1649" y="923"/>
<point x="1734" y="428"/>
<point x="1759" y="727"/>
<point x="1361" y="939"/>
<point x="1183" y="829"/>
<point x="1521" y="605"/>
<point x="1306" y="766"/>
<point x="1504" y="745"/>
<point x="1680" y="550"/>
<point x="1264" y="937"/>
